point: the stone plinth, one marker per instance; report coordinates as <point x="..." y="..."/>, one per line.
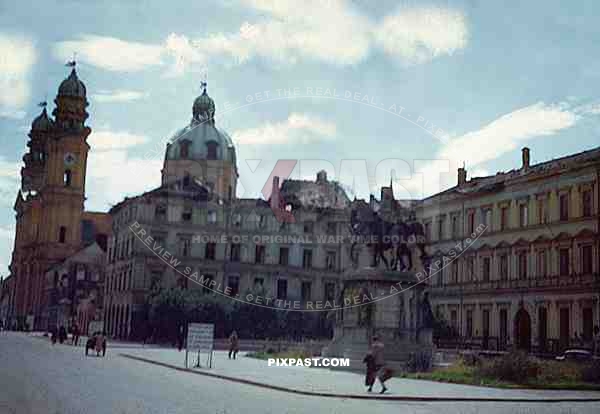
<point x="383" y="303"/>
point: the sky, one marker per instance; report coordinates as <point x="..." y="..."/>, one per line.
<point x="408" y="90"/>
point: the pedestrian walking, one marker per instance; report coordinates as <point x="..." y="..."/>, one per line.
<point x="100" y="343"/>
<point x="377" y="348"/>
<point x="53" y="334"/>
<point x="62" y="334"/>
<point x="75" y="338"/>
<point x="234" y="343"/>
<point x="371" y="371"/>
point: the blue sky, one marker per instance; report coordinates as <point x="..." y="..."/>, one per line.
<point x="486" y="77"/>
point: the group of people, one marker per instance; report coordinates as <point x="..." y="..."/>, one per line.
<point x="60" y="334"/>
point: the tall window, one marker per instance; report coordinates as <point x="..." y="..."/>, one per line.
<point x="184" y="149"/>
<point x="503" y="218"/>
<point x="587" y="203"/>
<point x="486" y="269"/>
<point x="523" y="265"/>
<point x="259" y="256"/>
<point x="282" y="287"/>
<point x="331" y="261"/>
<point x="308" y="227"/>
<point x="564" y="207"/>
<point x="305" y="291"/>
<point x="186" y="247"/>
<point x="471" y="226"/>
<point x="441" y="228"/>
<point x="542" y="211"/>
<point x="160" y="212"/>
<point x="454" y="227"/>
<point x="186" y="215"/>
<point x="284" y="255"/>
<point x="523" y="215"/>
<point x="586" y="259"/>
<point x="331" y="228"/>
<point x="233" y="283"/>
<point x="469" y="323"/>
<point x="212" y="217"/>
<point x="504" y="267"/>
<point x="307" y="259"/>
<point x="563" y="256"/>
<point x="62" y="234"/>
<point x="67" y="178"/>
<point x="330" y="291"/>
<point x="470" y="268"/>
<point x="428" y="231"/>
<point x="210" y="251"/>
<point x="211" y="150"/>
<point x="455" y="272"/>
<point x="541" y="263"/>
<point x="235" y="252"/>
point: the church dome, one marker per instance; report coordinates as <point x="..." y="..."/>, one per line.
<point x="72" y="86"/>
<point x="42" y="122"/>
<point x="201" y="139"/>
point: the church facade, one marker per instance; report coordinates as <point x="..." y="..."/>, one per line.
<point x="51" y="224"/>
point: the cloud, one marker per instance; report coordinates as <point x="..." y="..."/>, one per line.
<point x="333" y="32"/>
<point x="419" y="35"/>
<point x="298" y="127"/>
<point x="110" y="140"/>
<point x="119" y="95"/>
<point x="18" y="57"/>
<point x="115" y="174"/>
<point x="502" y="135"/>
<point x="111" y="53"/>
<point x="9" y="182"/>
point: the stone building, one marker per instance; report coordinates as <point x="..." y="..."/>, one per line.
<point x="51" y="224"/>
<point x="530" y="278"/>
<point x="74" y="289"/>
<point x="195" y="218"/>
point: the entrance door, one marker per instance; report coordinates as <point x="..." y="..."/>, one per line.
<point x="523" y="330"/>
<point x="542" y="328"/>
<point x="564" y="328"/>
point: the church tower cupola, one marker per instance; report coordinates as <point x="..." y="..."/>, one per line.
<point x="204" y="107"/>
<point x="71" y="102"/>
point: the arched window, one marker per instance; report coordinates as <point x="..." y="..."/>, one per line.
<point x="62" y="234"/>
<point x="67" y="178"/>
<point x="184" y="149"/>
<point x="186" y="180"/>
<point x="211" y="150"/>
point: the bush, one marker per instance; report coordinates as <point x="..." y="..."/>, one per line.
<point x="591" y="372"/>
<point x="515" y="367"/>
<point x="470" y="359"/>
<point x="557" y="372"/>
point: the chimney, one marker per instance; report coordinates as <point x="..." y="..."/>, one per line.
<point x="462" y="176"/>
<point x="275" y="196"/>
<point x="525" y="157"/>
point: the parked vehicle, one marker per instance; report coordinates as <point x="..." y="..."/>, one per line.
<point x="576" y="355"/>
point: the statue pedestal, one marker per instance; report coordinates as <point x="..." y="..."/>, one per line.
<point x="383" y="303"/>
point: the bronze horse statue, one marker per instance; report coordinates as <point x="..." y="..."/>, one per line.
<point x="382" y="236"/>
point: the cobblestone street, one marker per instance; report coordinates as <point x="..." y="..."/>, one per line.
<point x="37" y="377"/>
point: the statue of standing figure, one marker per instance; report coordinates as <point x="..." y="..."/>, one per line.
<point x="425" y="313"/>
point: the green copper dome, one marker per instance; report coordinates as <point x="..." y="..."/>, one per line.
<point x="204" y="107"/>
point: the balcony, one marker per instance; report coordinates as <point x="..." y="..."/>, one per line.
<point x="573" y="281"/>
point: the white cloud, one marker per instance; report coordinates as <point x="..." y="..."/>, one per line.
<point x="297" y="127"/>
<point x="119" y="95"/>
<point x="332" y="32"/>
<point x="7" y="232"/>
<point x="18" y="57"/>
<point x="502" y="135"/>
<point x="111" y="53"/>
<point x="418" y="35"/>
<point x="110" y="140"/>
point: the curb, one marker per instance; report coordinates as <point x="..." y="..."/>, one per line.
<point x="356" y="396"/>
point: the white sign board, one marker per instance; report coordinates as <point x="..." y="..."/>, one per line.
<point x="95" y="326"/>
<point x="200" y="337"/>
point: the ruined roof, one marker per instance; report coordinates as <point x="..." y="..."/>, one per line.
<point x="316" y="194"/>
